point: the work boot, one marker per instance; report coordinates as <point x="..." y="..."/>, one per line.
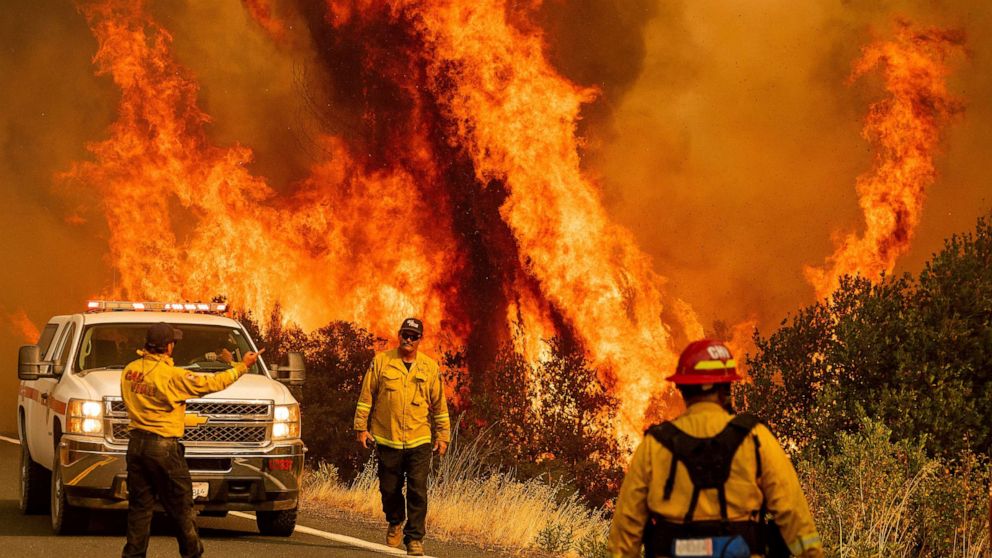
<point x="415" y="548"/>
<point x="394" y="535"/>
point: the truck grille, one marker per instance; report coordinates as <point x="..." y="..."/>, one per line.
<point x="228" y="422"/>
<point x="209" y="407"/>
<point x="221" y="433"/>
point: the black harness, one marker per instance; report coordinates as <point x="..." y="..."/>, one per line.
<point x="708" y="462"/>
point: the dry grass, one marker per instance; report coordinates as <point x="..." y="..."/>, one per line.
<point x="474" y="503"/>
<point x="873" y="499"/>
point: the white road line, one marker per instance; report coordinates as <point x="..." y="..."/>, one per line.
<point x="351" y="541"/>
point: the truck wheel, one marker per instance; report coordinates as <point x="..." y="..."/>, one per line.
<point x="280" y="523"/>
<point x="35" y="484"/>
<point x="66" y="518"/>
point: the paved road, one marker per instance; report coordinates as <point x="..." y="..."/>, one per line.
<point x="232" y="537"/>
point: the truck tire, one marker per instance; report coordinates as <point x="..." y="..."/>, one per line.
<point x="279" y="523"/>
<point x="66" y="518"/>
<point x="36" y="483"/>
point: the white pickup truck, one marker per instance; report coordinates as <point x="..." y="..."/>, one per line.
<point x="242" y="444"/>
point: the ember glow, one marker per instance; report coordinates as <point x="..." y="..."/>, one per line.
<point x="904" y="130"/>
<point x="454" y="191"/>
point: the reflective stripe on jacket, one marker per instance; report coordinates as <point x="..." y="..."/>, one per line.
<point x="642" y="489"/>
<point x="155" y="392"/>
<point x="402" y="404"/>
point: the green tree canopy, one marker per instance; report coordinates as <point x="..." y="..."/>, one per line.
<point x="912" y="352"/>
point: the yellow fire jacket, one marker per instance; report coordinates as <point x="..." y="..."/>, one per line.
<point x="642" y="490"/>
<point x="402" y="404"/>
<point x="155" y="392"/>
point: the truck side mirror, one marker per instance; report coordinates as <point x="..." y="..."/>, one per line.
<point x="293" y="372"/>
<point x="29" y="363"/>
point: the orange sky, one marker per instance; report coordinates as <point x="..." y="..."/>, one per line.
<point x="725" y="136"/>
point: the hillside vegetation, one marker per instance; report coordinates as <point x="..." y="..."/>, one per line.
<point x="881" y="393"/>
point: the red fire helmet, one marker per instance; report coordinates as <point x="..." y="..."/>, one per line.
<point x="705" y="362"/>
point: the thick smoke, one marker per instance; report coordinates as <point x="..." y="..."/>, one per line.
<point x="53" y="245"/>
<point x="734" y="155"/>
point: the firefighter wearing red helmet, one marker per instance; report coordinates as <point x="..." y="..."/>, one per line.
<point x="710" y="483"/>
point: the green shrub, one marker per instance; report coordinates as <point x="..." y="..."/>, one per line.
<point x="555" y="538"/>
<point x="592" y="545"/>
<point x="878" y="498"/>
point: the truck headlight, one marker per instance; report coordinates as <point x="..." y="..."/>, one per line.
<point x="286" y="422"/>
<point x="84" y="417"/>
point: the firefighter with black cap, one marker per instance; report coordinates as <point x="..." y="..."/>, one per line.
<point x="402" y="393"/>
<point x="706" y="483"/>
<point x="155" y="393"/>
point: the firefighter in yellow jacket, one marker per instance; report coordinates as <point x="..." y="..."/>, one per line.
<point x="709" y="483"/>
<point x="402" y="394"/>
<point x="155" y="394"/>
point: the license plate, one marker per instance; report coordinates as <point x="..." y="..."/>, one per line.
<point x="694" y="547"/>
<point x="201" y="490"/>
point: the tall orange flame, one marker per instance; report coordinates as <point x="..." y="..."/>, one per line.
<point x="905" y="131"/>
<point x="516" y="117"/>
<point x="372" y="240"/>
<point x="187" y="220"/>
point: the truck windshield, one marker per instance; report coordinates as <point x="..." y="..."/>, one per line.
<point x="203" y="348"/>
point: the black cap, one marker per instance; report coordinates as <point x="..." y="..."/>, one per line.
<point x="414" y="325"/>
<point x="160" y="335"/>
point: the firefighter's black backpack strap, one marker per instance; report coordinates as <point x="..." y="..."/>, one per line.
<point x="707" y="460"/>
<point x="684" y="448"/>
<point x="746" y="421"/>
<point x="726" y="444"/>
<point x="666" y="433"/>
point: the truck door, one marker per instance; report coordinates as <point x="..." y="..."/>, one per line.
<point x="34" y="411"/>
<point x="42" y="447"/>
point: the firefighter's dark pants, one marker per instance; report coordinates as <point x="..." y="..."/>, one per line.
<point x="156" y="468"/>
<point x="412" y="465"/>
